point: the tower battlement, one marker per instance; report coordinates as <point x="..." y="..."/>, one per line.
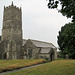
<point x="12" y="6"/>
<point x="12" y="13"/>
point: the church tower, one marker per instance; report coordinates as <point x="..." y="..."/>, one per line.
<point x="12" y="32"/>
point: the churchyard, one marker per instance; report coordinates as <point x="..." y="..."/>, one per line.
<point x="7" y="65"/>
<point x="57" y="67"/>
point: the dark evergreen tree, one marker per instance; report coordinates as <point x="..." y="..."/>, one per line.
<point x="66" y="40"/>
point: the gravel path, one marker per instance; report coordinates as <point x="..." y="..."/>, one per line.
<point x="3" y="73"/>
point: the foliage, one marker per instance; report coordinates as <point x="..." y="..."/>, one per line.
<point x="6" y="65"/>
<point x="66" y="40"/>
<point x="60" y="55"/>
<point x="66" y="36"/>
<point x="67" y="7"/>
<point x="58" y="67"/>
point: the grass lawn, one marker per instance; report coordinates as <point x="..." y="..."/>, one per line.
<point x="6" y="65"/>
<point x="57" y="67"/>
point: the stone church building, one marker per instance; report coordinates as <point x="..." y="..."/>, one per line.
<point x="13" y="46"/>
<point x="34" y="49"/>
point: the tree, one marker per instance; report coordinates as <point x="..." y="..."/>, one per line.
<point x="66" y="40"/>
<point x="67" y="7"/>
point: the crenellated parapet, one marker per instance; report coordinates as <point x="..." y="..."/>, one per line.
<point x="12" y="12"/>
<point x="12" y="6"/>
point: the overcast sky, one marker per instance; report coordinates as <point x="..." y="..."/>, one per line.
<point x="38" y="22"/>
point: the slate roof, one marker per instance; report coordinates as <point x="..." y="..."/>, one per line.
<point x="40" y="43"/>
<point x="44" y="50"/>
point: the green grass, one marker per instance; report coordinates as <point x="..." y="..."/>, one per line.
<point x="6" y="65"/>
<point x="59" y="59"/>
<point x="57" y="67"/>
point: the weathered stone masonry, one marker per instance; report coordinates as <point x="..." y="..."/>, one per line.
<point x="12" y="46"/>
<point x="34" y="49"/>
<point x="12" y="33"/>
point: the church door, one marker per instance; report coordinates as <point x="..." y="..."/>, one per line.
<point x="52" y="56"/>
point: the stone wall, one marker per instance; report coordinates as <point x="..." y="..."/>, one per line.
<point x="49" y="56"/>
<point x="44" y="56"/>
<point x="12" y="24"/>
<point x="31" y="50"/>
<point x="55" y="53"/>
<point x="1" y="49"/>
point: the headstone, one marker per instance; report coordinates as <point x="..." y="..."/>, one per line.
<point x="67" y="57"/>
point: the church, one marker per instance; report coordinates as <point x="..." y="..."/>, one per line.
<point x="12" y="44"/>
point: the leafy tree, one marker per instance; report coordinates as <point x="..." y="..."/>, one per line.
<point x="66" y="40"/>
<point x="67" y="7"/>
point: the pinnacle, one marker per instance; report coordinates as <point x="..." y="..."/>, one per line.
<point x="12" y="3"/>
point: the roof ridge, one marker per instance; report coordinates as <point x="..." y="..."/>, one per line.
<point x="41" y="41"/>
<point x="38" y="43"/>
